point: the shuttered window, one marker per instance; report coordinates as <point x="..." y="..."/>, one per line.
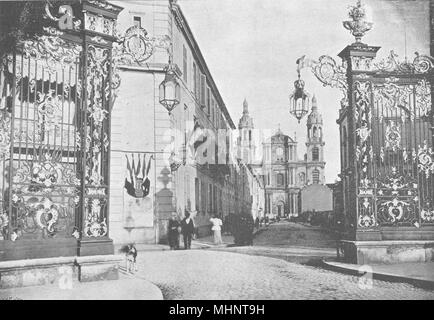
<point x="202" y="90"/>
<point x="184" y="64"/>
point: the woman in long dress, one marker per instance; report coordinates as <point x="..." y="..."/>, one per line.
<point x="216" y="228"/>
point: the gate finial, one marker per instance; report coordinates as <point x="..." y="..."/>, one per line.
<point x="359" y="24"/>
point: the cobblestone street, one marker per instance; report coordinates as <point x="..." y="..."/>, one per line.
<point x="253" y="272"/>
<point x="284" y="234"/>
<point x="203" y="274"/>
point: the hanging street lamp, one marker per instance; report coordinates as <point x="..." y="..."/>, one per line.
<point x="170" y="90"/>
<point x="299" y="100"/>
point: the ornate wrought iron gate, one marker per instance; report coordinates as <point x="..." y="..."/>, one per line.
<point x="393" y="152"/>
<point x="55" y="98"/>
<point x="40" y="115"/>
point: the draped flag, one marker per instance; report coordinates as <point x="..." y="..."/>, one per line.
<point x="137" y="182"/>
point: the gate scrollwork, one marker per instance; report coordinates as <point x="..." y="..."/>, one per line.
<point x="395" y="160"/>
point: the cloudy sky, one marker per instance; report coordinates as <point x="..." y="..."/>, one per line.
<point x="251" y="47"/>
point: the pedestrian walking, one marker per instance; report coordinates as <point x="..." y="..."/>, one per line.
<point x="187" y="227"/>
<point x="216" y="228"/>
<point x="174" y="231"/>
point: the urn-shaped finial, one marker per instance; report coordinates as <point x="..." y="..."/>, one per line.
<point x="360" y="24"/>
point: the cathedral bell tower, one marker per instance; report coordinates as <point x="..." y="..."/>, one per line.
<point x="246" y="147"/>
<point x="315" y="146"/>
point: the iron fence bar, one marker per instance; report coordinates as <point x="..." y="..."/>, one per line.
<point x="10" y="179"/>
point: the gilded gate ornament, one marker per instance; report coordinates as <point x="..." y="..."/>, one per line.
<point x="94" y="227"/>
<point x="423" y="97"/>
<point x="425" y="157"/>
<point x="52" y="50"/>
<point x="328" y="72"/>
<point x="366" y="214"/>
<point x="421" y="64"/>
<point x="394" y="97"/>
<point x="427" y="213"/>
<point x="45" y="192"/>
<point x="49" y="108"/>
<point x="96" y="140"/>
<point x="392" y="136"/>
<point x="5" y="134"/>
<point x="397" y="198"/>
<point x="364" y="153"/>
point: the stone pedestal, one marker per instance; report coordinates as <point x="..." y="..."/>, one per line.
<point x="95" y="268"/>
<point x="61" y="271"/>
<point x="395" y="251"/>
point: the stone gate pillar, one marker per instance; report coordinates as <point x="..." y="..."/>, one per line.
<point x="358" y="59"/>
<point x="98" y="35"/>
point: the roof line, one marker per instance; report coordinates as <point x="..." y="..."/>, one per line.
<point x="185" y="28"/>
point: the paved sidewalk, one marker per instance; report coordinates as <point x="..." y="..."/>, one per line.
<point x="227" y="239"/>
<point x="421" y="274"/>
<point x="165" y="247"/>
<point x="127" y="287"/>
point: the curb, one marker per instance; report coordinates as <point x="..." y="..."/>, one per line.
<point x="421" y="283"/>
<point x="158" y="294"/>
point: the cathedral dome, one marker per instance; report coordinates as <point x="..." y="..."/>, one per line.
<point x="314" y="117"/>
<point x="280" y="137"/>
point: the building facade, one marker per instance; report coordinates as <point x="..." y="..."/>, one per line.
<point x="187" y="154"/>
<point x="285" y="174"/>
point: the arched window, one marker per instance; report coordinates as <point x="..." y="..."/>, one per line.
<point x="315" y="154"/>
<point x="315" y="176"/>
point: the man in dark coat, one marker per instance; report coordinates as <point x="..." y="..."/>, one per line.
<point x="249" y="228"/>
<point x="187" y="226"/>
<point x="174" y="228"/>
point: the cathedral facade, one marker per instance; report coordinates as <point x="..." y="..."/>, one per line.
<point x="284" y="172"/>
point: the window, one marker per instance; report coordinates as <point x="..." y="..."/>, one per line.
<point x="315" y="176"/>
<point x="194" y="78"/>
<point x="184" y="64"/>
<point x="211" y="114"/>
<point x="197" y="193"/>
<point x="280" y="179"/>
<point x="208" y="98"/>
<point x="197" y="93"/>
<point x="137" y="21"/>
<point x="315" y="154"/>
<point x="217" y="117"/>
<point x="202" y="89"/>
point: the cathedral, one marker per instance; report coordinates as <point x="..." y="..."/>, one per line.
<point x="284" y="173"/>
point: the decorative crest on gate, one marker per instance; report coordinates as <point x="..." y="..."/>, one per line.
<point x="420" y="64"/>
